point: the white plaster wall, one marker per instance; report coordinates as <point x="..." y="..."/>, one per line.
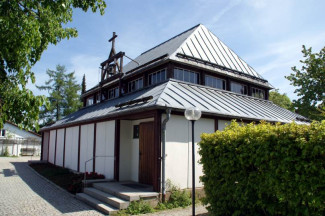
<point x="52" y="146"/>
<point x="129" y="150"/>
<point x="59" y="147"/>
<point x="222" y="124"/>
<point x="179" y="149"/>
<point x="86" y="147"/>
<point x="105" y="141"/>
<point x="45" y="147"/>
<point x="71" y="148"/>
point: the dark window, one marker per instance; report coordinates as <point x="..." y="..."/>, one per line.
<point x="113" y="93"/>
<point x="215" y="82"/>
<point x="90" y="101"/>
<point x="238" y="88"/>
<point x="258" y="93"/>
<point x="135" y="131"/>
<point x="104" y="94"/>
<point x="185" y="75"/>
<point x="157" y="77"/>
<point x="135" y="84"/>
<point x="3" y="132"/>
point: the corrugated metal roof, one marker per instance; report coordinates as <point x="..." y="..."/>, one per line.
<point x="181" y="95"/>
<point x="198" y="43"/>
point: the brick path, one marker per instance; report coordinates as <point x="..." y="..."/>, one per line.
<point x="22" y="192"/>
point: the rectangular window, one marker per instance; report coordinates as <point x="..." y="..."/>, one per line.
<point x="135" y="84"/>
<point x="3" y="132"/>
<point x="215" y="82"/>
<point x="98" y="98"/>
<point x="186" y="75"/>
<point x="157" y="77"/>
<point x="113" y="93"/>
<point x="238" y="88"/>
<point x="135" y="131"/>
<point x="90" y="101"/>
<point x="258" y="93"/>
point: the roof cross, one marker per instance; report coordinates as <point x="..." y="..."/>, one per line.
<point x="113" y="44"/>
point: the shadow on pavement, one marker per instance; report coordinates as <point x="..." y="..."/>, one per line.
<point x="61" y="200"/>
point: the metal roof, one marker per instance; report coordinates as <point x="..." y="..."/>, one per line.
<point x="200" y="46"/>
<point x="180" y="95"/>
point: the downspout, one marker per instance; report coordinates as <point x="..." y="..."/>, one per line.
<point x="163" y="158"/>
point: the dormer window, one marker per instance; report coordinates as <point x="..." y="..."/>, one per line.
<point x="157" y="77"/>
<point x="113" y="93"/>
<point x="215" y="82"/>
<point x="90" y="101"/>
<point x="238" y="88"/>
<point x="135" y="85"/>
<point x="258" y="93"/>
<point x="186" y="75"/>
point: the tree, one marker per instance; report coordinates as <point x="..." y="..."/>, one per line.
<point x="56" y="88"/>
<point x="72" y="95"/>
<point x="281" y="100"/>
<point x="83" y="84"/>
<point x="26" y="29"/>
<point x="63" y="92"/>
<point x="310" y="83"/>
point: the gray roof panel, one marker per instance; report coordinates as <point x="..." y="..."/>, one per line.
<point x="180" y="95"/>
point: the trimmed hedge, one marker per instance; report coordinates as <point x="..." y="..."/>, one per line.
<point x="265" y="169"/>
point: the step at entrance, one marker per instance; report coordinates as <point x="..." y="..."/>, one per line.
<point x="97" y="204"/>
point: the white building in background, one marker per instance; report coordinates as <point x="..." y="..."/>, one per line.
<point x="19" y="142"/>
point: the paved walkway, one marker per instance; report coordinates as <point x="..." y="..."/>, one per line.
<point x="22" y="192"/>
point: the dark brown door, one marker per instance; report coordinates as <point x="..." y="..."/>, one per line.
<point x="146" y="152"/>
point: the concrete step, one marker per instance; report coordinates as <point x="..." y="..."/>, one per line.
<point x="124" y="192"/>
<point x="107" y="198"/>
<point x="99" y="205"/>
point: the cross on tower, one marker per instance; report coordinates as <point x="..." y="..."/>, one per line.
<point x="112" y="53"/>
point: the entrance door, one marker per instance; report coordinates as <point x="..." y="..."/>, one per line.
<point x="146" y="152"/>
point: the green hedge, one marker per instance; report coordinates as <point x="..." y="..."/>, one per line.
<point x="265" y="169"/>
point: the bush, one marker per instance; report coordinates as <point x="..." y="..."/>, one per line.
<point x="138" y="207"/>
<point x="265" y="169"/>
<point x="6" y="152"/>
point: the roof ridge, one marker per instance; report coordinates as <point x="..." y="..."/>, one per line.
<point x="172" y="38"/>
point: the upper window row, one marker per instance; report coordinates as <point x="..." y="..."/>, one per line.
<point x="186" y="75"/>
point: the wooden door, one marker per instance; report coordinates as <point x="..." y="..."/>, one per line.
<point x="146" y="152"/>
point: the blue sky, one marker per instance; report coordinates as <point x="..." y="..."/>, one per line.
<point x="268" y="35"/>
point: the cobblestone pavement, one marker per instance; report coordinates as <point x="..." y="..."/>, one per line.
<point x="199" y="210"/>
<point x="22" y="192"/>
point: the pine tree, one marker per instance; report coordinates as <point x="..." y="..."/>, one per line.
<point x="72" y="96"/>
<point x="83" y="84"/>
<point x="64" y="94"/>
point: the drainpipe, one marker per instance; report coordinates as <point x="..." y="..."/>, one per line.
<point x="163" y="140"/>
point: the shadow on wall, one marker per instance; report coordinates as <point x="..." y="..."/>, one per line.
<point x="61" y="200"/>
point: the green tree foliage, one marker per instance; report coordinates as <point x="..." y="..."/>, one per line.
<point x="63" y="95"/>
<point x="310" y="83"/>
<point x="265" y="169"/>
<point x="83" y="84"/>
<point x="281" y="100"/>
<point x="26" y="29"/>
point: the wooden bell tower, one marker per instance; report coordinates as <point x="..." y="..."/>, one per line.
<point x="114" y="64"/>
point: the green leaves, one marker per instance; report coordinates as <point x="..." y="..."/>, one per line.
<point x="26" y="29"/>
<point x="310" y="83"/>
<point x="265" y="169"/>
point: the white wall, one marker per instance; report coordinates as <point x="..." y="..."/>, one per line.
<point x="71" y="148"/>
<point x="52" y="146"/>
<point x="222" y="124"/>
<point x="105" y="141"/>
<point x="86" y="147"/>
<point x="129" y="151"/>
<point x="59" y="147"/>
<point x="179" y="149"/>
<point x="45" y="147"/>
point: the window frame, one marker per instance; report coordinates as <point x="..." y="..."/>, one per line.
<point x="155" y="74"/>
<point x="189" y="72"/>
<point x="224" y="82"/>
<point x="136" y="83"/>
<point x="243" y="85"/>
<point x="259" y="91"/>
<point x="115" y="93"/>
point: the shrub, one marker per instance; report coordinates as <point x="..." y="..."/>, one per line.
<point x="138" y="207"/>
<point x="6" y="152"/>
<point x="265" y="169"/>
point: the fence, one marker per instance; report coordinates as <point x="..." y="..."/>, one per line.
<point x="19" y="146"/>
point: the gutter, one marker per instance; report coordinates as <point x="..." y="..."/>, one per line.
<point x="163" y="140"/>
